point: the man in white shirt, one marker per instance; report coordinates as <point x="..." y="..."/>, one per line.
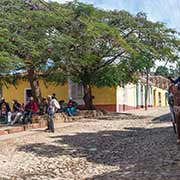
<point x="53" y="106"/>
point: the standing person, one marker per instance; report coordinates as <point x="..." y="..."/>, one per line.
<point x="53" y="105"/>
<point x="170" y="102"/>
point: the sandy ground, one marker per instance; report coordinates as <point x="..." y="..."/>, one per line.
<point x="138" y="145"/>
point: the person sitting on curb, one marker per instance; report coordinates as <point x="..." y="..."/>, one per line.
<point x="71" y="108"/>
<point x="62" y="106"/>
<point x="43" y="106"/>
<point x="17" y="112"/>
<point x="5" y="110"/>
<point x="30" y="108"/>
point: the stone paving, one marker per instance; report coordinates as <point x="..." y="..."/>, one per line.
<point x="137" y="146"/>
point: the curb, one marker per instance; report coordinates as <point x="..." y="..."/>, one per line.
<point x="17" y="129"/>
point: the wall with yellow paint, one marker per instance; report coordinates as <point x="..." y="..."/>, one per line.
<point x="105" y="96"/>
<point x="159" y="97"/>
<point x="18" y="92"/>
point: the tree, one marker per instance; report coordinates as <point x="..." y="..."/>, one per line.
<point x="85" y="44"/>
<point x="105" y="48"/>
<point x="151" y="40"/>
<point x="30" y="25"/>
<point x="8" y="61"/>
<point x="162" y="71"/>
<point x="91" y="50"/>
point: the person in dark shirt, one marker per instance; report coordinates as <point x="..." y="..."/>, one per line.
<point x="17" y="112"/>
<point x="16" y="106"/>
<point x="5" y="110"/>
<point x="4" y="106"/>
<point x="54" y="96"/>
<point x="43" y="106"/>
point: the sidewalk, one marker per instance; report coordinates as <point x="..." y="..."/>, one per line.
<point x="32" y="131"/>
<point x="152" y="112"/>
<point x="18" y="131"/>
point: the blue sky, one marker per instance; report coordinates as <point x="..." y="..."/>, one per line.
<point x="167" y="11"/>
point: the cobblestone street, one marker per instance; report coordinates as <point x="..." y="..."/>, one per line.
<point x="137" y="146"/>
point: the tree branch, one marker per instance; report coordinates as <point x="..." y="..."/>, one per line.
<point x="112" y="59"/>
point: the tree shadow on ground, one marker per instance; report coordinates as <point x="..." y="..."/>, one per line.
<point x="108" y="147"/>
<point x="134" y="150"/>
<point x="162" y="118"/>
<point x="139" y="174"/>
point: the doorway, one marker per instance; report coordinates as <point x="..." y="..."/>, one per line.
<point x="27" y="94"/>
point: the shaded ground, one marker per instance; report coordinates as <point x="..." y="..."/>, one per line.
<point x="137" y="146"/>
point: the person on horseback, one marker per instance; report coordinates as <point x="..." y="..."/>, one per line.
<point x="171" y="103"/>
<point x="176" y="81"/>
<point x="174" y="105"/>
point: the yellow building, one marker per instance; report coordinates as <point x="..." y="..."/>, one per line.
<point x="159" y="97"/>
<point x="22" y="90"/>
<point x="112" y="99"/>
<point x="104" y="97"/>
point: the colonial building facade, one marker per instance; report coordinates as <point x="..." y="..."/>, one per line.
<point x="116" y="99"/>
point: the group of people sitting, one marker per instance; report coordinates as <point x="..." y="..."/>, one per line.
<point x="20" y="113"/>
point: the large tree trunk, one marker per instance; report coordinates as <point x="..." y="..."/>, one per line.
<point x="147" y="90"/>
<point x="34" y="83"/>
<point x="88" y="99"/>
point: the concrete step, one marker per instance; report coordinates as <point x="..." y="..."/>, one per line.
<point x="19" y="128"/>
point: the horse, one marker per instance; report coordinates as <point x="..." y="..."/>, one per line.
<point x="174" y="95"/>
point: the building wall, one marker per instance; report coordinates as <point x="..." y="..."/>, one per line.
<point x="159" y="97"/>
<point x="18" y="92"/>
<point x="132" y="96"/>
<point x="126" y="97"/>
<point x="111" y="99"/>
<point x="141" y="94"/>
<point x="104" y="98"/>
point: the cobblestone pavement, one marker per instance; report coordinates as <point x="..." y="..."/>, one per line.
<point x="141" y="146"/>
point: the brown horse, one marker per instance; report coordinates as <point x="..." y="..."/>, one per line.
<point x="173" y="89"/>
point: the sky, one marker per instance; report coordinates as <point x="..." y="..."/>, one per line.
<point x="167" y="11"/>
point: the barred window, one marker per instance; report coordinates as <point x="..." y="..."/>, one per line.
<point x="76" y="91"/>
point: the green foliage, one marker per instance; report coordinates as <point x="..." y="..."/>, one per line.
<point x="162" y="71"/>
<point x="151" y="40"/>
<point x="90" y="48"/>
<point x="105" y="48"/>
<point x="88" y="45"/>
